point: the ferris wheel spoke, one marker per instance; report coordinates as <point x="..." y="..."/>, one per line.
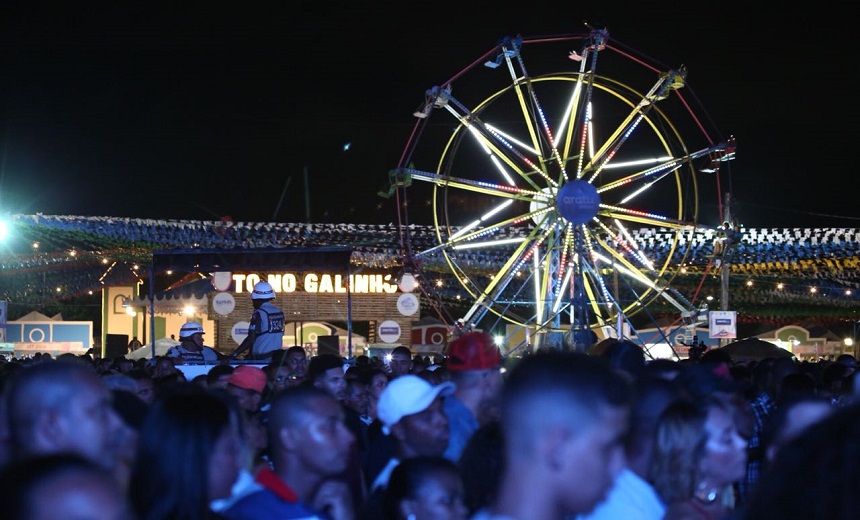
<point x="626" y="244"/>
<point x="470" y="240"/>
<point x="533" y="114"/>
<point x="645" y="179"/>
<point x="598" y="294"/>
<point x="669" y="81"/>
<point x="498" y="146"/>
<point x="570" y="120"/>
<point x="486" y="188"/>
<point x="641" y="217"/>
<point x="602" y="157"/>
<point x="632" y="273"/>
<point x="504" y="276"/>
<point x="535" y="117"/>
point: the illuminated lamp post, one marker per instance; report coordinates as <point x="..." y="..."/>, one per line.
<point x="852" y="341"/>
<point x="131" y="310"/>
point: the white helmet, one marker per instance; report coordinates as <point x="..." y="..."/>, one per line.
<point x="189" y="329"/>
<point x="263" y="291"/>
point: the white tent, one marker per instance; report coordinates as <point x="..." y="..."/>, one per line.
<point x="161" y="347"/>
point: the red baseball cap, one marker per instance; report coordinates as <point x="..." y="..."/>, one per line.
<point x="249" y="378"/>
<point x="473" y="351"/>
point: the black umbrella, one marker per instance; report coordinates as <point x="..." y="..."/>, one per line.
<point x="754" y="349"/>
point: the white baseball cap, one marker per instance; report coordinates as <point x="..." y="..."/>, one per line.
<point x="407" y="395"/>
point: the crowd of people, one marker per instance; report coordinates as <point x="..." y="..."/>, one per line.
<point x="471" y="435"/>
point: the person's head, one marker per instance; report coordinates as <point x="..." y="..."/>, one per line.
<point x="191" y="335"/>
<point x="378" y="381"/>
<point x="474" y="365"/>
<point x="217" y="376"/>
<point x="824" y="461"/>
<point x="791" y="419"/>
<point x="60" y="407"/>
<point x="325" y="371"/>
<point x="308" y="438"/>
<point x="262" y="293"/>
<point x="189" y="453"/>
<point x="400" y="362"/>
<point x="425" y="488"/>
<point x="280" y="377"/>
<point x="297" y="360"/>
<point x="651" y="397"/>
<point x="247" y="383"/>
<point x="410" y="409"/>
<point x="796" y="385"/>
<point x="122" y="365"/>
<point x="702" y="380"/>
<point x="835" y="380"/>
<point x="145" y="385"/>
<point x="697" y="449"/>
<point x="849" y="361"/>
<point x="164" y="367"/>
<point x="67" y="486"/>
<point x="564" y="416"/>
<point x="626" y="356"/>
<point x="355" y="395"/>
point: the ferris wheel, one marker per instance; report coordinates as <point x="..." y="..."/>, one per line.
<point x="537" y="184"/>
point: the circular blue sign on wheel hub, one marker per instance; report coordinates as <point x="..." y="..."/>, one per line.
<point x="578" y="201"/>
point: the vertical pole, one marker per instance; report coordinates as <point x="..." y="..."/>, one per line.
<point x="152" y="308"/>
<point x="724" y="265"/>
<point x="348" y="313"/>
<point x="307" y="197"/>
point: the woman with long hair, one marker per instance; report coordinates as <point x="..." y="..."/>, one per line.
<point x="698" y="456"/>
<point x="189" y="454"/>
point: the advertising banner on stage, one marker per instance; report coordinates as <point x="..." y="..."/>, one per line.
<point x="723" y="324"/>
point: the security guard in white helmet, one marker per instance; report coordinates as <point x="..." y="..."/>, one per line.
<point x="266" y="331"/>
<point x="191" y="349"/>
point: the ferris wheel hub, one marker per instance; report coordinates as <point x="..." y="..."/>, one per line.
<point x="578" y="201"/>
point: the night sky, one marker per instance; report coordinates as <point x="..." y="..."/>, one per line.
<point x="209" y="111"/>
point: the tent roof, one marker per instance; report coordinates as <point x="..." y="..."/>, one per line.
<point x="333" y="258"/>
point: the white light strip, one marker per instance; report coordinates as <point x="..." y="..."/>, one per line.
<point x="487" y="150"/>
<point x="620" y="267"/>
<point x="645" y="281"/>
<point x="478" y="245"/>
<point x="563" y="288"/>
<point x="492" y="212"/>
<point x="539" y="303"/>
<point x="635" y="193"/>
<point x="642" y="258"/>
<point x="512" y="139"/>
<point x="465" y="229"/>
<point x="484" y="217"/>
<point x="562" y="127"/>
<point x="590" y="123"/>
<point x="639" y="162"/>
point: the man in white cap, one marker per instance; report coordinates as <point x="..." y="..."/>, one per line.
<point x="266" y="331"/>
<point x="411" y="412"/>
<point x="191" y="348"/>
